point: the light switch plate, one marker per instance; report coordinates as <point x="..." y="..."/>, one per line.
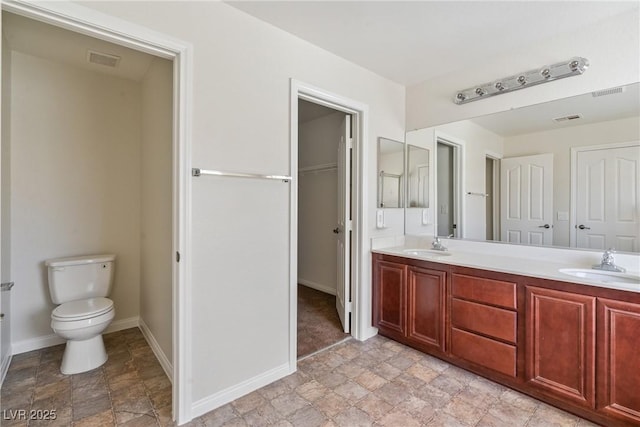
<point x="426" y="216"/>
<point x="379" y="218"/>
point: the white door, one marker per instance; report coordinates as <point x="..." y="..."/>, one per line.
<point x="526" y="192"/>
<point x="343" y="231"/>
<point x="607" y="193"/>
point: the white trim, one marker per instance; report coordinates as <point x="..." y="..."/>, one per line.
<point x="225" y="396"/>
<point x="157" y="350"/>
<point x="327" y="289"/>
<point x="50" y="340"/>
<point x="87" y="21"/>
<point x="361" y="328"/>
<point x="573" y="181"/>
<point x="4" y="367"/>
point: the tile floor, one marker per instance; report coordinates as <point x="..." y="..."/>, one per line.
<point x="373" y="383"/>
<point x="318" y="322"/>
<point x="129" y="389"/>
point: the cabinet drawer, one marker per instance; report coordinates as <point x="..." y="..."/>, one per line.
<point x="489" y="291"/>
<point x="484" y="319"/>
<point x="483" y="351"/>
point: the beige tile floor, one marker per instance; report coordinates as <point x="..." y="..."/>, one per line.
<point x="318" y="322"/>
<point x="374" y="383"/>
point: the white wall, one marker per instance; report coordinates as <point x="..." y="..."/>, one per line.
<point x="240" y="249"/>
<point x="318" y="202"/>
<point x="156" y="259"/>
<point x="559" y="143"/>
<point x="611" y="46"/>
<point x="75" y="186"/>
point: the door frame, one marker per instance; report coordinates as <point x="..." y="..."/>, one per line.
<point x="359" y="201"/>
<point x="458" y="181"/>
<point x="573" y="234"/>
<point x="90" y="22"/>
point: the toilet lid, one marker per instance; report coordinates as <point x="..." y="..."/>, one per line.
<point x="89" y="307"/>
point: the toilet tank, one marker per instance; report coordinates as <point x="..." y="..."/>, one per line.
<point x="80" y="277"/>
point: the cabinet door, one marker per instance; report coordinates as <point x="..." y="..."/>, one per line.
<point x="426" y="308"/>
<point x="619" y="359"/>
<point x="560" y="352"/>
<point x="389" y="295"/>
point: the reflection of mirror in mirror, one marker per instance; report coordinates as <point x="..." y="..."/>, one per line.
<point x="592" y="138"/>
<point x="390" y="173"/>
<point x="418" y="177"/>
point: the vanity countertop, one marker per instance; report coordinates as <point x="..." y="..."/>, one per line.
<point x="544" y="263"/>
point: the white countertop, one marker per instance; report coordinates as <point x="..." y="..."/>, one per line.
<point x="536" y="262"/>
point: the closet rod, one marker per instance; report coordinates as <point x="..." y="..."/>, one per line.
<point x="199" y="172"/>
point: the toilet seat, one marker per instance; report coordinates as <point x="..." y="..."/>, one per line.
<point x="82" y="309"/>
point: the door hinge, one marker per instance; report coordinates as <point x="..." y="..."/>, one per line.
<point x="177" y="256"/>
<point x="349" y="225"/>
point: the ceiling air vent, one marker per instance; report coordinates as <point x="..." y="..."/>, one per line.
<point x="103" y="59"/>
<point x="567" y="118"/>
<point x="605" y="92"/>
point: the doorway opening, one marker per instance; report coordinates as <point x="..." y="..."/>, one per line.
<point x="324" y="232"/>
<point x="448" y="181"/>
<point x="492" y="194"/>
<point x="176" y="69"/>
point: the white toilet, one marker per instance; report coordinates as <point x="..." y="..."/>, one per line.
<point x="80" y="285"/>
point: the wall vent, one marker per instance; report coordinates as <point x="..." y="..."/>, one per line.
<point x="103" y="59"/>
<point x="567" y="118"/>
<point x="606" y="92"/>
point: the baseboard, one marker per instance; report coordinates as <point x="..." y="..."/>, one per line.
<point x="223" y="397"/>
<point x="318" y="286"/>
<point x="157" y="350"/>
<point x="4" y="367"/>
<point x="45" y="341"/>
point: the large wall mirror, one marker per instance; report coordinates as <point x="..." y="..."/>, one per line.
<point x="562" y="173"/>
<point x="390" y="173"/>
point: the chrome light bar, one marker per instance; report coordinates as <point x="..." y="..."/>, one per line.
<point x="573" y="67"/>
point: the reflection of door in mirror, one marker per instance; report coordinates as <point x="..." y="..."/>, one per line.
<point x="606" y="197"/>
<point x="527" y="199"/>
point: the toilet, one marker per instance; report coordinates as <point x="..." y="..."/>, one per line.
<point x="81" y="286"/>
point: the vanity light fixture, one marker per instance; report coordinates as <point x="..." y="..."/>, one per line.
<point x="573" y="67"/>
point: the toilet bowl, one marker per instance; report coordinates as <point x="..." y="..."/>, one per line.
<point x="80" y="285"/>
<point x="81" y="323"/>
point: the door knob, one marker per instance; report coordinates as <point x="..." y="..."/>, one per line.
<point x="336" y="230"/>
<point x="544" y="226"/>
<point x="583" y="227"/>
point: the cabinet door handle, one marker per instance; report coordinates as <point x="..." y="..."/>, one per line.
<point x="583" y="227"/>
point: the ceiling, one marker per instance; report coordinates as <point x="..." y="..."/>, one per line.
<point x="538" y="118"/>
<point x="414" y="41"/>
<point x="58" y="44"/>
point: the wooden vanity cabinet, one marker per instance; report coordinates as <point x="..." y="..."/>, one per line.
<point x="560" y="351"/>
<point x="389" y="298"/>
<point x="426" y="303"/>
<point x="409" y="301"/>
<point x="484" y="320"/>
<point x="574" y="346"/>
<point x="618" y="357"/>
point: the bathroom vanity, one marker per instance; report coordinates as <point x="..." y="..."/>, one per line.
<point x="517" y="321"/>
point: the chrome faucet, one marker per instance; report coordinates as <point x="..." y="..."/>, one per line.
<point x="437" y="245"/>
<point x="607" y="262"/>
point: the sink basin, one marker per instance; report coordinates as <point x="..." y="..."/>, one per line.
<point x="427" y="253"/>
<point x="602" y="276"/>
